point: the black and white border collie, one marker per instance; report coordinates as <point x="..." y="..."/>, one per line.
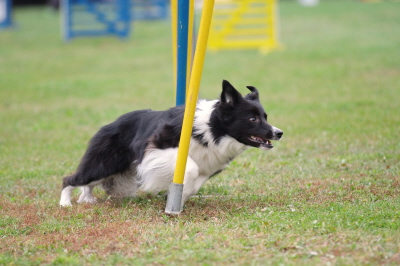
<point x="137" y="152"/>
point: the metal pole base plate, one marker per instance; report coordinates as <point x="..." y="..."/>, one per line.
<point x="174" y="200"/>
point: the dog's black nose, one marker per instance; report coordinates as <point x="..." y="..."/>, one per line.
<point x="279" y="134"/>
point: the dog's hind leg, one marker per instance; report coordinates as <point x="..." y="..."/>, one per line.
<point x="72" y="182"/>
<point x="66" y="196"/>
<point x="86" y="196"/>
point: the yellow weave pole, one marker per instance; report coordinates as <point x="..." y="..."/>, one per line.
<point x="175" y="193"/>
<point x="174" y="23"/>
<point x="190" y="43"/>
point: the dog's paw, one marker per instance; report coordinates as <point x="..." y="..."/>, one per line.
<point x="87" y="199"/>
<point x="65" y="203"/>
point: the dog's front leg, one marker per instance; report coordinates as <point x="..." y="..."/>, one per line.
<point x="191" y="187"/>
<point x="193" y="181"/>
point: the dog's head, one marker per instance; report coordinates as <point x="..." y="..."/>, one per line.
<point x="244" y="118"/>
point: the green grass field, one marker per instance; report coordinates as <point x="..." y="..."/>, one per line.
<point x="327" y="194"/>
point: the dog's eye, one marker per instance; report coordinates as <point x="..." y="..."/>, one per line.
<point x="253" y="119"/>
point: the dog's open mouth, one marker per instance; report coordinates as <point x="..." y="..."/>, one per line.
<point x="265" y="143"/>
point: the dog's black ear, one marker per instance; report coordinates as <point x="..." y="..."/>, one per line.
<point x="253" y="96"/>
<point x="230" y="94"/>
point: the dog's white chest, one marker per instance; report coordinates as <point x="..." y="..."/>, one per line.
<point x="213" y="158"/>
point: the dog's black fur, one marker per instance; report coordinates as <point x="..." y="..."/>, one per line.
<point x="115" y="146"/>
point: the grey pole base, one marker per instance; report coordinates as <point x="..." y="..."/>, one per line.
<point x="174" y="199"/>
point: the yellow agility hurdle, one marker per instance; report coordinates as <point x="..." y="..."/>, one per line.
<point x="244" y="24"/>
<point x="176" y="188"/>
